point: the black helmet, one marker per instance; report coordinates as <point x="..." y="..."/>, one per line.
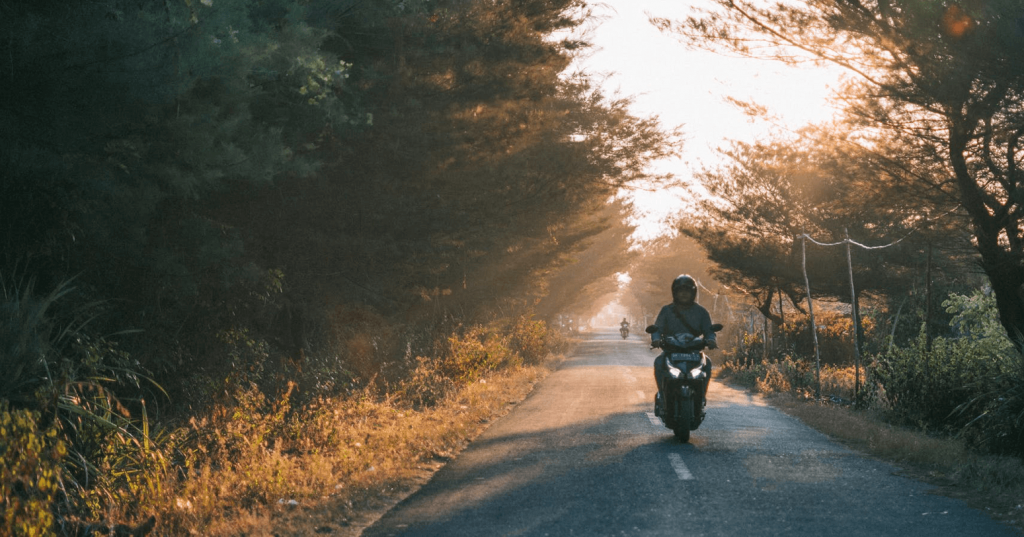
<point x="684" y="281"/>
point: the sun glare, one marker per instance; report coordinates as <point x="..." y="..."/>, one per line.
<point x="696" y="89"/>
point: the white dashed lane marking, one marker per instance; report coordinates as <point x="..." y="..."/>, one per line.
<point x="654" y="419"/>
<point x="677" y="464"/>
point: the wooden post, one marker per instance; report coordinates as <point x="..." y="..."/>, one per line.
<point x="782" y="321"/>
<point x="928" y="301"/>
<point x="895" y="322"/>
<point x="764" y="336"/>
<point x="855" y="321"/>
<point x="814" y="327"/>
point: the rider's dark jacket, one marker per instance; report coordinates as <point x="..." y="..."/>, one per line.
<point x="696" y="316"/>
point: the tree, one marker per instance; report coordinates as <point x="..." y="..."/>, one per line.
<point x="124" y="125"/>
<point x="946" y="75"/>
<point x="242" y="167"/>
<point x="769" y="194"/>
<point x="287" y="192"/>
<point x="485" y="168"/>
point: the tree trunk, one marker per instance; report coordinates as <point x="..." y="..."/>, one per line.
<point x="1007" y="282"/>
<point x="1003" y="268"/>
<point x="765" y="307"/>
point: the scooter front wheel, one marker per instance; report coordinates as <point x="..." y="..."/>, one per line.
<point x="684" y="416"/>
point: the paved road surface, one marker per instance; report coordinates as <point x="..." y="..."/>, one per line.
<point x="584" y="455"/>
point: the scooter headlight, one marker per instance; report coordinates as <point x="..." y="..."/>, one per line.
<point x="696" y="373"/>
<point x="673" y="371"/>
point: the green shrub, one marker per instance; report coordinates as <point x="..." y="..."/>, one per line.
<point x="750" y="351"/>
<point x="469" y="355"/>
<point x="79" y="385"/>
<point x="972" y="386"/>
<point x="528" y="339"/>
<point x="922" y="387"/>
<point x="30" y="472"/>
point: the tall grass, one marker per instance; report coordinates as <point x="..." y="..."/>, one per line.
<point x="266" y="454"/>
<point x="78" y="452"/>
<point x="68" y="430"/>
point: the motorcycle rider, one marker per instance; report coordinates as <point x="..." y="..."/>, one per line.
<point x="683" y="315"/>
<point x="624" y="324"/>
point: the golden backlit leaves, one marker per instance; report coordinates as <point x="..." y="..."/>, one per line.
<point x="956" y="23"/>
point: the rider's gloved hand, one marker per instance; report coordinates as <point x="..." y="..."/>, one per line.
<point x="712" y="344"/>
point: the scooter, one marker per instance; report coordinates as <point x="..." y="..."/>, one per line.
<point x="624" y="331"/>
<point x="680" y="403"/>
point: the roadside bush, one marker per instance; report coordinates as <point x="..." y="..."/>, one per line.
<point x="774" y="376"/>
<point x="835" y="336"/>
<point x="794" y="340"/>
<point x="247" y="424"/>
<point x="737" y="369"/>
<point x="774" y="379"/>
<point x="996" y="412"/>
<point x="77" y="449"/>
<point x="792" y="376"/>
<point x="969" y="385"/>
<point x="972" y="386"/>
<point x="837" y="382"/>
<point x="427" y="385"/>
<point x="30" y="472"/>
<point x="921" y="387"/>
<point x="529" y="339"/>
<point x="749" y="352"/>
<point x="472" y="353"/>
<point x="81" y="396"/>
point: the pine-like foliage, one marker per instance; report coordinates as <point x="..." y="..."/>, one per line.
<point x="123" y="120"/>
<point x="281" y="191"/>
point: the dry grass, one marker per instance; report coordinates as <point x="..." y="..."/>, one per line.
<point x="991" y="483"/>
<point x="269" y="460"/>
<point x="358" y="457"/>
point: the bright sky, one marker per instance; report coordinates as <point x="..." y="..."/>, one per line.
<point x="689" y="88"/>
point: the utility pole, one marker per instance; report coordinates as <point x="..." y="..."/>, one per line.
<point x="856" y="321"/>
<point x="928" y="301"/>
<point x="782" y="321"/>
<point x="814" y="327"/>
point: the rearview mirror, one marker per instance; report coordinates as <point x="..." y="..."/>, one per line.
<point x="651" y="329"/>
<point x="717" y="327"/>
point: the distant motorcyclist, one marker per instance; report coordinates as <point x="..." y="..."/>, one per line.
<point x="685" y="316"/>
<point x="624" y="324"/>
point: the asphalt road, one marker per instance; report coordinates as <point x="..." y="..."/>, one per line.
<point x="584" y="455"/>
